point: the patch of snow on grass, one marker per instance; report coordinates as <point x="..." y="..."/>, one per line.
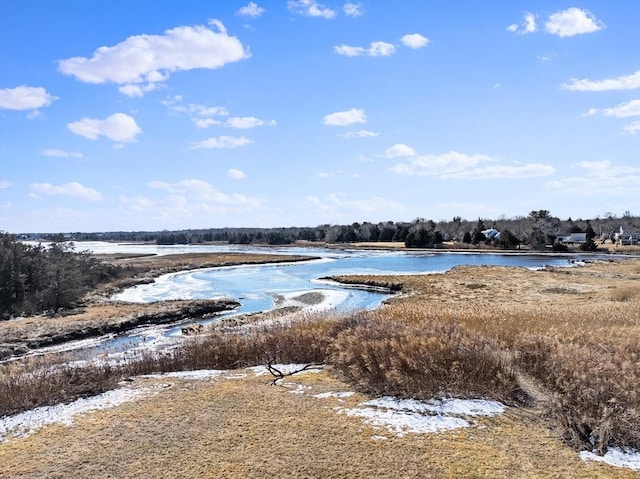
<point x="615" y="457"/>
<point x="199" y="374"/>
<point x="402" y="416"/>
<point x="339" y="395"/>
<point x="463" y="407"/>
<point x="25" y="423"/>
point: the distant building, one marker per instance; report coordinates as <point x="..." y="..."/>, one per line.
<point x="572" y="238"/>
<point x="491" y="233"/>
<point x="626" y="238"/>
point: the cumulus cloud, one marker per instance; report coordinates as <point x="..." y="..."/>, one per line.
<point x="344" y="118"/>
<point x="221" y="142"/>
<point x="456" y="165"/>
<point x="62" y="154"/>
<point x="399" y="150"/>
<point x="73" y="190"/>
<point x="628" y="82"/>
<point x="206" y="194"/>
<point x="632" y="128"/>
<point x="528" y="25"/>
<point x="376" y="49"/>
<point x="201" y="115"/>
<point x="599" y="178"/>
<point x="247" y="122"/>
<point x="359" y="134"/>
<point x="250" y="10"/>
<point x="623" y="110"/>
<point x="352" y="9"/>
<point x="4" y="184"/>
<point x="310" y="8"/>
<point x="573" y="21"/>
<point x="415" y="40"/>
<point x="117" y="127"/>
<point x="141" y="62"/>
<point x="25" y="98"/>
<point x="236" y="174"/>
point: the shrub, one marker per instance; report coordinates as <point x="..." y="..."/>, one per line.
<point x="389" y="357"/>
<point x="596" y="401"/>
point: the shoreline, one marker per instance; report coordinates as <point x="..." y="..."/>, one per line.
<point x="97" y="315"/>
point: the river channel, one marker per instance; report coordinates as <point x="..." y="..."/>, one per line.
<point x="262" y="287"/>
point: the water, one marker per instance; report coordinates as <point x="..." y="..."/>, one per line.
<point x="256" y="287"/>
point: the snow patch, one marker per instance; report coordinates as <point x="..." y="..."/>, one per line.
<point x="339" y="395"/>
<point x="616" y="457"/>
<point x="402" y="416"/>
<point x="26" y="423"/>
<point x="199" y="374"/>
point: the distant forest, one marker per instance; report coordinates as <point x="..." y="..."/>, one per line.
<point x="538" y="230"/>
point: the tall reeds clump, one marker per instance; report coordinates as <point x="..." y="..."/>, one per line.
<point x="595" y="387"/>
<point x="387" y="356"/>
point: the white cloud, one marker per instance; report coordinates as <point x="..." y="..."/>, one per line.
<point x="632" y="128"/>
<point x="117" y="127"/>
<point x="344" y="118"/>
<point x="310" y="8"/>
<point x="572" y="21"/>
<point x="247" y="122"/>
<point x="250" y="10"/>
<point x="359" y="134"/>
<point x="236" y="174"/>
<point x="439" y="165"/>
<point x="329" y="174"/>
<point x="198" y="195"/>
<point x="141" y="62"/>
<point x="4" y="184"/>
<point x="201" y="115"/>
<point x="530" y="170"/>
<point x="628" y="82"/>
<point x="73" y="189"/>
<point x="205" y="122"/>
<point x="455" y="165"/>
<point x="62" y="154"/>
<point x="221" y="142"/>
<point x="338" y="206"/>
<point x="376" y="49"/>
<point x="399" y="150"/>
<point x="528" y="25"/>
<point x="352" y="9"/>
<point x="25" y="98"/>
<point x="599" y="178"/>
<point x="624" y="110"/>
<point x="547" y="57"/>
<point x="415" y="40"/>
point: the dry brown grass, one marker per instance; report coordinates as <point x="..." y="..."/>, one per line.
<point x="245" y="428"/>
<point x="562" y="336"/>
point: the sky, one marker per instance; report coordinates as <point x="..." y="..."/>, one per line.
<point x="147" y="115"/>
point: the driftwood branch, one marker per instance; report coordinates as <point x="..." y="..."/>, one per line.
<point x="278" y="375"/>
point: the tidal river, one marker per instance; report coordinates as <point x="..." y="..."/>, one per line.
<point x="259" y="287"/>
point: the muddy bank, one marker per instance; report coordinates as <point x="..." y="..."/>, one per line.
<point x="96" y="315"/>
<point x="18" y="337"/>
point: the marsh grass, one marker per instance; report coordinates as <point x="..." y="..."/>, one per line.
<point x="581" y="349"/>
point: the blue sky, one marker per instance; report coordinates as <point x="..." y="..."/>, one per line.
<point x="151" y="115"/>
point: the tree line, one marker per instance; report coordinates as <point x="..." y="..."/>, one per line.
<point x="34" y="279"/>
<point x="536" y="230"/>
